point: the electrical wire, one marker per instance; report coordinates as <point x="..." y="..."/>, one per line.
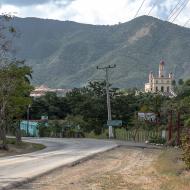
<point x="172" y="11"/>
<point x="184" y="4"/>
<point x="178" y="9"/>
<point x="186" y="22"/>
<point x="153" y="6"/>
<point x="183" y="7"/>
<point x="139" y="9"/>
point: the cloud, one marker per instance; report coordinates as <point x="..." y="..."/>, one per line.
<point x="36" y="2"/>
<point x="94" y="11"/>
<point x="164" y="8"/>
<point x="62" y="3"/>
<point x="24" y="2"/>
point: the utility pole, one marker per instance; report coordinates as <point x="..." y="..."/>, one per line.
<point x="170" y="125"/>
<point x="178" y="127"/>
<point x="106" y="69"/>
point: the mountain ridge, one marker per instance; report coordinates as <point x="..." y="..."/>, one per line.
<point x="65" y="53"/>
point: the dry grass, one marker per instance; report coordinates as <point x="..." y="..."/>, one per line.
<point x="171" y="171"/>
<point x="20" y="148"/>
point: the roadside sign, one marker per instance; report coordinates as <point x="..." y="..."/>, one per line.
<point x="164" y="134"/>
<point x="114" y="123"/>
<point x="44" y="117"/>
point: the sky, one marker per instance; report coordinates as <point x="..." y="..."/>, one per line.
<point x="101" y="12"/>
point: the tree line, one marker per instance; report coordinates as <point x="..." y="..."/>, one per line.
<point x="89" y="104"/>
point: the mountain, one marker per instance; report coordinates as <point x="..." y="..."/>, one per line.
<point x="66" y="54"/>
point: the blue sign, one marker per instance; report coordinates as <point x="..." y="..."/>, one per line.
<point x="116" y="123"/>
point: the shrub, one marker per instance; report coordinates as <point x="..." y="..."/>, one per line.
<point x="186" y="149"/>
<point x="157" y="140"/>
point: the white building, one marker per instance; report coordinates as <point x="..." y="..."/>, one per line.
<point x="142" y="116"/>
<point x="42" y="90"/>
<point x="161" y="83"/>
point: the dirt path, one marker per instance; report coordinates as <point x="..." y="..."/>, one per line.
<point x="119" y="169"/>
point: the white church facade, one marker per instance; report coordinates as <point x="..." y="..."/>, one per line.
<point x="161" y="83"/>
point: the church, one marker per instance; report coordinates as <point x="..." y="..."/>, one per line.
<point x="161" y="83"/>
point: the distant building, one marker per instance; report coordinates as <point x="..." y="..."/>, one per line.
<point x="30" y="127"/>
<point x="151" y="117"/>
<point x="161" y="83"/>
<point x="42" y="90"/>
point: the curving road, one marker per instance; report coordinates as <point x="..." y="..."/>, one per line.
<point x="18" y="169"/>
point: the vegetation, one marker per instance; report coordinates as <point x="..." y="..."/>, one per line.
<point x="20" y="148"/>
<point x="157" y="140"/>
<point x="65" y="54"/>
<point x="186" y="143"/>
<point x="15" y="85"/>
<point x="86" y="108"/>
<point x="186" y="149"/>
<point x="171" y="170"/>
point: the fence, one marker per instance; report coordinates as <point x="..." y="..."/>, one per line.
<point x="131" y="135"/>
<point x="139" y="136"/>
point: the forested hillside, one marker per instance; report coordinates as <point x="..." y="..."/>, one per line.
<point x="65" y="54"/>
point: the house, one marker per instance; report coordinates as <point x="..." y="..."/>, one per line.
<point x="42" y="90"/>
<point x="151" y="117"/>
<point x="30" y="128"/>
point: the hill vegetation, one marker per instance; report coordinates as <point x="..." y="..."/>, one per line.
<point x="65" y="53"/>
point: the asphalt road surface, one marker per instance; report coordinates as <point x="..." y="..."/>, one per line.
<point x="59" y="152"/>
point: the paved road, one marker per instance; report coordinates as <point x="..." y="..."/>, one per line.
<point x="59" y="152"/>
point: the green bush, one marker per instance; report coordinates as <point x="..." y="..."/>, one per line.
<point x="157" y="140"/>
<point x="44" y="131"/>
<point x="186" y="149"/>
<point x="11" y="141"/>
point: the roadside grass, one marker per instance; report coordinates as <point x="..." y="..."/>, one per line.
<point x="92" y="135"/>
<point x="15" y="148"/>
<point x="172" y="171"/>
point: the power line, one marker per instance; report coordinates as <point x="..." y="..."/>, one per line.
<point x="181" y="4"/>
<point x="184" y="3"/>
<point x="186" y="22"/>
<point x="172" y="11"/>
<point x="180" y="11"/>
<point x="152" y="8"/>
<point x="139" y="8"/>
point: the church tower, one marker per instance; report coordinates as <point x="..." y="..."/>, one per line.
<point x="161" y="69"/>
<point x="161" y="83"/>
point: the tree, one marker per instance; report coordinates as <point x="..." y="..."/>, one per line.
<point x="14" y="93"/>
<point x="186" y="144"/>
<point x="44" y="130"/>
<point x="124" y="106"/>
<point x="76" y="120"/>
<point x="13" y="78"/>
<point x="51" y="105"/>
<point x="180" y="82"/>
